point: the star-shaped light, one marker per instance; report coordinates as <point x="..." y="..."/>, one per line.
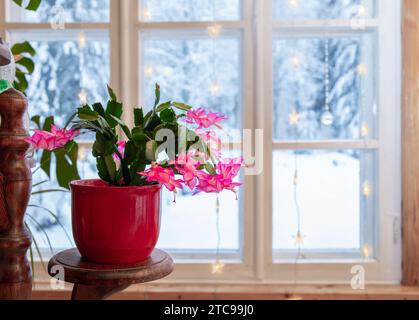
<point x="365" y="130"/>
<point x="293" y="3"/>
<point x="296" y="62"/>
<point x="217" y="268"/>
<point x="294" y="118"/>
<point x="366" y="252"/>
<point x="147" y="14"/>
<point x="83" y="97"/>
<point x="362" y="10"/>
<point x="214" y="30"/>
<point x="367" y="189"/>
<point x="215" y="89"/>
<point x="299" y="239"/>
<point x="82" y="39"/>
<point x="148" y="71"/>
<point x="362" y="69"/>
<point x="82" y="154"/>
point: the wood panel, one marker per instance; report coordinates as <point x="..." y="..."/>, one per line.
<point x="410" y="116"/>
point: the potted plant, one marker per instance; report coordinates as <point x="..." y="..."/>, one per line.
<point x="117" y="219"/>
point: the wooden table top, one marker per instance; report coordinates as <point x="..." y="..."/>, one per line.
<point x="81" y="272"/>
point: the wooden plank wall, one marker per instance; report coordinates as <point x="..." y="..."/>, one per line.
<point x="410" y="136"/>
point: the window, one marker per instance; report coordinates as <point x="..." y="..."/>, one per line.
<point x="316" y="76"/>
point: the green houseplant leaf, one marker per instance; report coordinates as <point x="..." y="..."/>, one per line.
<point x="33" y="5"/>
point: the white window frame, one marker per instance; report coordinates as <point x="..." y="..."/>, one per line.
<point x="255" y="263"/>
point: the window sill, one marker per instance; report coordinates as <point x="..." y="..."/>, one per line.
<point x="245" y="292"/>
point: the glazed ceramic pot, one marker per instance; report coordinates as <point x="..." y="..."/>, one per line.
<point x="115" y="225"/>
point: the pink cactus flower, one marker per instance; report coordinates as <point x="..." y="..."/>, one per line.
<point x="187" y="166"/>
<point x="215" y="183"/>
<point x="121" y="149"/>
<point x="213" y="141"/>
<point x="230" y="168"/>
<point x="227" y="171"/>
<point x="53" y="140"/>
<point x="203" y="119"/>
<point x="164" y="176"/>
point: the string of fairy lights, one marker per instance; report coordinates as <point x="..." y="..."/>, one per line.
<point x="327" y="119"/>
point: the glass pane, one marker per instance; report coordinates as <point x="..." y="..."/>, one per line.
<point x="190" y="10"/>
<point x="191" y="223"/>
<point x="336" y="213"/>
<point x="58" y="203"/>
<point x="65" y="71"/>
<point x="68" y="10"/>
<point x="322" y="9"/>
<point x="194" y="69"/>
<point x="324" y="88"/>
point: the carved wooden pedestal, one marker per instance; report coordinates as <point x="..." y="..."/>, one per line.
<point x="15" y="190"/>
<point x="94" y="281"/>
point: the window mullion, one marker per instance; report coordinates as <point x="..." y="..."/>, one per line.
<point x="129" y="57"/>
<point x="2" y="19"/>
<point x="264" y="103"/>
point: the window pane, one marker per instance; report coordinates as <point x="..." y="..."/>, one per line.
<point x="322" y="9"/>
<point x="191" y="10"/>
<point x="335" y="210"/>
<point x="71" y="10"/>
<point x="193" y="68"/>
<point x="58" y="203"/>
<point x="300" y="88"/>
<point x="191" y="222"/>
<point x="64" y="69"/>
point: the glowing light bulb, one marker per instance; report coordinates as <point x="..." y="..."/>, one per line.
<point x="147" y="14"/>
<point x="82" y="154"/>
<point x="168" y="72"/>
<point x="293" y="3"/>
<point x="148" y="71"/>
<point x="82" y="39"/>
<point x="299" y="239"/>
<point x="362" y="69"/>
<point x="296" y="62"/>
<point x="367" y="189"/>
<point x="366" y="252"/>
<point x="217" y="268"/>
<point x="365" y="130"/>
<point x="83" y="97"/>
<point x="294" y="118"/>
<point x="214" y="30"/>
<point x="295" y="298"/>
<point x="215" y="89"/>
<point x="296" y="178"/>
<point x="362" y="10"/>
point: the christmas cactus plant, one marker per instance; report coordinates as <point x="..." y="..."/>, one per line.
<point x="173" y="145"/>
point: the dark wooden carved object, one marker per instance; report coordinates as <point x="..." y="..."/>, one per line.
<point x="15" y="190"/>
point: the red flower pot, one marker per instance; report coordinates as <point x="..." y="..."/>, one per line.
<point x="115" y="225"/>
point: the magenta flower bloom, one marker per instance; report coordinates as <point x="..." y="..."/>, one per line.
<point x="215" y="183"/>
<point x="227" y="171"/>
<point x="203" y="119"/>
<point x="53" y="140"/>
<point x="164" y="176"/>
<point x="213" y="141"/>
<point x="230" y="168"/>
<point x="121" y="149"/>
<point x="187" y="166"/>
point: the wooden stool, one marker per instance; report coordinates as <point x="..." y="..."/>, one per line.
<point x="94" y="281"/>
